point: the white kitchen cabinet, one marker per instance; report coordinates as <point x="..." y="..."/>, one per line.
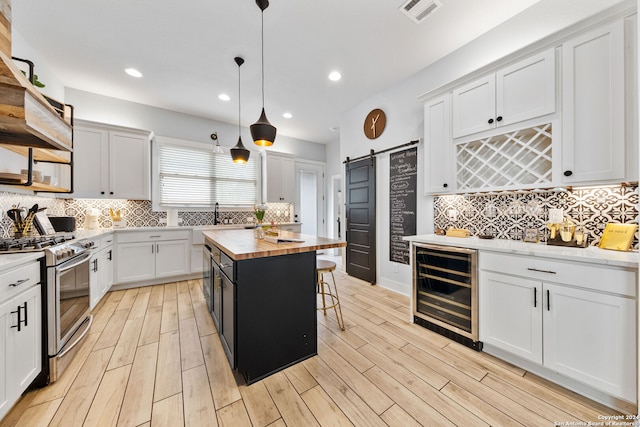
<point x="20" y="339"/>
<point x="590" y="336"/>
<point x="101" y="270"/>
<point x="516" y="93"/>
<point x="593" y="93"/>
<point x="574" y="319"/>
<point x="438" y="147"/>
<point x="512" y="317"/>
<point x="111" y="162"/>
<point x="143" y="256"/>
<point x="279" y="180"/>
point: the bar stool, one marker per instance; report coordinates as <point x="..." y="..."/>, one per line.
<point x="329" y="296"/>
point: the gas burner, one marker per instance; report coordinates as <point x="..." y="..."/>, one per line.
<point x="31" y="244"/>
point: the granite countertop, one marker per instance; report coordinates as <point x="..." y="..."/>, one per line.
<point x="591" y="254"/>
<point x="242" y="244"/>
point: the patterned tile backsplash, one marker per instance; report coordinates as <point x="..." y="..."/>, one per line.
<point x="137" y="213"/>
<point x="506" y="215"/>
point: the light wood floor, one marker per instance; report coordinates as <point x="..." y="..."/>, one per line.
<point x="154" y="359"/>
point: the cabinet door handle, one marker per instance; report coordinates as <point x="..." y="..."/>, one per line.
<point x="445" y="185"/>
<point x="25" y="314"/>
<point x="499" y="118"/>
<point x="110" y="255"/>
<point x="568" y="173"/>
<point x="19" y="282"/>
<point x="535" y="296"/>
<point x="541" y="271"/>
<point x="95" y="265"/>
<point x="490" y="121"/>
<point x="152" y="248"/>
<point x="19" y="321"/>
<point x="157" y="248"/>
<point x="548" y="303"/>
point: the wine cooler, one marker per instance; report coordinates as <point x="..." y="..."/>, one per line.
<point x="445" y="292"/>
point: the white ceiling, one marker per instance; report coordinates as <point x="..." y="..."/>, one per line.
<point x="185" y="50"/>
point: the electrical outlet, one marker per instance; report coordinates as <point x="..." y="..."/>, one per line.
<point x="556" y="216"/>
<point x="395" y="267"/>
<point x="452" y="214"/>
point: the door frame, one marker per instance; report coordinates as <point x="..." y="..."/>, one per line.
<point x="319" y="168"/>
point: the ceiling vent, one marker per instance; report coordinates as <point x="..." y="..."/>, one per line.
<point x="418" y="10"/>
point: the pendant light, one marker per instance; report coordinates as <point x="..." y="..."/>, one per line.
<point x="239" y="153"/>
<point x="263" y="132"/>
<point x="217" y="149"/>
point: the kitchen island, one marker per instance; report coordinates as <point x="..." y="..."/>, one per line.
<point x="262" y="297"/>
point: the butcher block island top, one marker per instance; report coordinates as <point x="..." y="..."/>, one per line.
<point x="242" y="244"/>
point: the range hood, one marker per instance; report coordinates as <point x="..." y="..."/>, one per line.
<point x="26" y="117"/>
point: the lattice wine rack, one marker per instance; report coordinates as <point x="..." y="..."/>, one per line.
<point x="518" y="158"/>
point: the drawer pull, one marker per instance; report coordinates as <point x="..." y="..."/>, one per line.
<point x="155" y="237"/>
<point x="18" y="283"/>
<point x="541" y="271"/>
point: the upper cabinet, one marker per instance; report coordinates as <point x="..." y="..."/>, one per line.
<point x="278" y="178"/>
<point x="438" y="149"/>
<point x="111" y="162"/>
<point x="564" y="116"/>
<point x="593" y="92"/>
<point x="519" y="92"/>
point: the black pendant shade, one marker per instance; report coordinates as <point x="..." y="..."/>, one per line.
<point x="239" y="153"/>
<point x="263" y="132"/>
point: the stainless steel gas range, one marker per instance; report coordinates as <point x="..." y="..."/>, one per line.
<point x="65" y="279"/>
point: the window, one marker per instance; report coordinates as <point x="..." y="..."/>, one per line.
<point x="190" y="176"/>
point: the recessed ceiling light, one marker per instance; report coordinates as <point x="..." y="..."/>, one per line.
<point x="334" y="76"/>
<point x="287" y="115"/>
<point x="133" y="72"/>
<point x="224" y="97"/>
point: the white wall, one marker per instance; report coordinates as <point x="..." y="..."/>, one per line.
<point x="405" y="120"/>
<point x="104" y="109"/>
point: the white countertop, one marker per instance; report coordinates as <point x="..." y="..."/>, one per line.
<point x="590" y="254"/>
<point x="9" y="261"/>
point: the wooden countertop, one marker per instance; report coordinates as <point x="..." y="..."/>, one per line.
<point x="242" y="244"/>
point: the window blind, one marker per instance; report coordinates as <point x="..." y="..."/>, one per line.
<point x="197" y="178"/>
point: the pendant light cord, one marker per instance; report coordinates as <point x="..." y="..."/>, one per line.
<point x="262" y="38"/>
<point x="239" y="103"/>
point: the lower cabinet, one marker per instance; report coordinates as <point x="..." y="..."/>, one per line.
<point x="581" y="325"/>
<point x="20" y="345"/>
<point x="144" y="256"/>
<point x="101" y="270"/>
<point x="264" y="309"/>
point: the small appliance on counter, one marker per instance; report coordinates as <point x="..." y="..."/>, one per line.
<point x="63" y="223"/>
<point x="91" y="219"/>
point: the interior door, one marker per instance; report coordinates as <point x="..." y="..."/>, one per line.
<point x="361" y="219"/>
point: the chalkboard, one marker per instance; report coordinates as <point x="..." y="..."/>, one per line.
<point x="402" y="202"/>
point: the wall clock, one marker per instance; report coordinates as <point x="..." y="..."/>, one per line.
<point x="374" y="123"/>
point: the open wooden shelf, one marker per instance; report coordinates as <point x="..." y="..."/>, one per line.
<point x="39" y="154"/>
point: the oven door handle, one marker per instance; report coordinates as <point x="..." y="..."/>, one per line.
<point x="77" y="340"/>
<point x="65" y="267"/>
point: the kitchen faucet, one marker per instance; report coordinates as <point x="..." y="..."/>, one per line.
<point x="216" y="219"/>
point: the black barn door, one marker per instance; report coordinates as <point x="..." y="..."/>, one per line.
<point x="361" y="219"/>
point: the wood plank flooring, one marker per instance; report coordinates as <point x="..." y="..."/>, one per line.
<point x="153" y="358"/>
